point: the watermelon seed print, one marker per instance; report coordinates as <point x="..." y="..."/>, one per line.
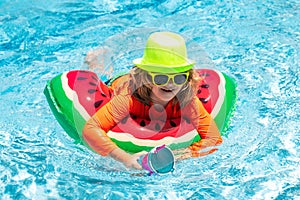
<point x="92" y="91"/>
<point x="204" y="86"/>
<point x="92" y="84"/>
<point x="204" y="75"/>
<point x="133" y="117"/>
<point x="95" y="78"/>
<point x="98" y="103"/>
<point x="172" y="123"/>
<point x="204" y="100"/>
<point x="142" y="123"/>
<point x="81" y="78"/>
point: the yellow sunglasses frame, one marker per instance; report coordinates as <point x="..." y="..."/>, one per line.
<point x="170" y="76"/>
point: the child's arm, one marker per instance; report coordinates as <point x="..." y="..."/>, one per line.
<point x="209" y="133"/>
<point x="206" y="127"/>
<point x="96" y="128"/>
<point x="97" y="139"/>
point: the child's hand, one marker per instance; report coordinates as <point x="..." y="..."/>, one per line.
<point x="204" y="143"/>
<point x="132" y="162"/>
<point x="197" y="149"/>
<point x="129" y="160"/>
<point x="200" y="148"/>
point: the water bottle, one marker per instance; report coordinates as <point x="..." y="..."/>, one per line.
<point x="159" y="160"/>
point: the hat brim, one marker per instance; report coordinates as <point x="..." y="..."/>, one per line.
<point x="152" y="67"/>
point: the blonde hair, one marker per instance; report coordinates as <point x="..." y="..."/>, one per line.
<point x="140" y="86"/>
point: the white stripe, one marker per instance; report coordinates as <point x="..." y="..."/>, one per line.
<point x="125" y="137"/>
<point x="222" y="91"/>
<point x="72" y="95"/>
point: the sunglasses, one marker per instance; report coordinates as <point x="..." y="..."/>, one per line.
<point x="163" y="79"/>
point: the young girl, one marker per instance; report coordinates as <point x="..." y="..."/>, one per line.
<point x="163" y="80"/>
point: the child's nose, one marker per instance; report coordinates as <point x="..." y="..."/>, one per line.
<point x="170" y="82"/>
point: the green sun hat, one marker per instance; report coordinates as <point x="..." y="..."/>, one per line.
<point x="165" y="52"/>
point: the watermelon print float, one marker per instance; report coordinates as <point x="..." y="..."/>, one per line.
<point x="75" y="96"/>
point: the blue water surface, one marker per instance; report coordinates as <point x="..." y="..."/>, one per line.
<point x="255" y="42"/>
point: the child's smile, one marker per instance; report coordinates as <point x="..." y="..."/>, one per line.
<point x="163" y="94"/>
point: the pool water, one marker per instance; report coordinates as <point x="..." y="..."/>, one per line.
<point x="255" y="42"/>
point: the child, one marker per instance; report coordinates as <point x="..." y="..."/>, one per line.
<point x="163" y="79"/>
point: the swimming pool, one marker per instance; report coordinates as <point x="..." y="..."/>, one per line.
<point x="256" y="42"/>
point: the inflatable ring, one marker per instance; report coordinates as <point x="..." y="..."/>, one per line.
<point x="74" y="96"/>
